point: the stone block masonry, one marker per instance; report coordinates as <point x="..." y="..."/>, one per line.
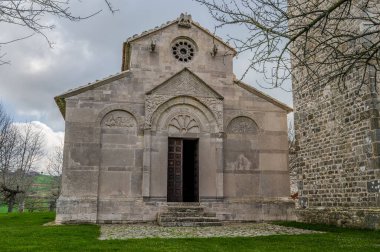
<point x="338" y="151"/>
<point x="174" y="126"/>
<point x="337" y="159"/>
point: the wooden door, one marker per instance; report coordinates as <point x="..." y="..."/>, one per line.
<point x="175" y="170"/>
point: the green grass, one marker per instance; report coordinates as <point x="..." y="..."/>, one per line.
<point x="43" y="179"/>
<point x="3" y="209"/>
<point x="24" y="232"/>
<point x="42" y="185"/>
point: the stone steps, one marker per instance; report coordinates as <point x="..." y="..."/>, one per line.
<point x="188" y="219"/>
<point x="190" y="224"/>
<point x="185" y="214"/>
<point x="190" y="215"/>
<point x="188" y="210"/>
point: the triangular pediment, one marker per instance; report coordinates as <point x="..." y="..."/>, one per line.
<point x="185" y="82"/>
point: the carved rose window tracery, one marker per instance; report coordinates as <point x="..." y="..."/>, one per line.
<point x="183" y="50"/>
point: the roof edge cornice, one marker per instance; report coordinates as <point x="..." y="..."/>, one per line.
<point x="60" y="99"/>
<point x="266" y="97"/>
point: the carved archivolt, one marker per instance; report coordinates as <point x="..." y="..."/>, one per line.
<point x="242" y="125"/>
<point x="216" y="106"/>
<point x="119" y="119"/>
<point x="185" y="84"/>
<point x="152" y="103"/>
<point x="183" y="124"/>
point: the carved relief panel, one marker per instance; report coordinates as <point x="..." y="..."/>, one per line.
<point x="119" y="119"/>
<point x="242" y="125"/>
<point x="241" y="153"/>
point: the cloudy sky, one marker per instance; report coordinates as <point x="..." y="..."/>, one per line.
<point x="86" y="51"/>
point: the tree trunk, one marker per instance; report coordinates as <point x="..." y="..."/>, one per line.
<point x="11" y="204"/>
<point x="21" y="205"/>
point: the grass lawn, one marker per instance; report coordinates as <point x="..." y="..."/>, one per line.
<point x="3" y="209"/>
<point x="43" y="179"/>
<point x="24" y="232"/>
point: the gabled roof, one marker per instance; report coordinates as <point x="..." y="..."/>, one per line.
<point x="175" y="21"/>
<point x="60" y="99"/>
<point x="126" y="44"/>
<point x="198" y="85"/>
<point x="263" y="95"/>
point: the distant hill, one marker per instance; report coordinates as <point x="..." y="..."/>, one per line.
<point x="41" y="188"/>
<point x="41" y="185"/>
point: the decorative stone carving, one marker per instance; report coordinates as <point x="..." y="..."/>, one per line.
<point x="256" y="116"/>
<point x="242" y="125"/>
<point x="183" y="124"/>
<point x="241" y="164"/>
<point x="183" y="50"/>
<point x="184" y="84"/>
<point x="119" y="119"/>
<point x="184" y="20"/>
<point x="152" y="102"/>
<point x="216" y="107"/>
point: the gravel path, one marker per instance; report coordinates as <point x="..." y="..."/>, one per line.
<point x="136" y="231"/>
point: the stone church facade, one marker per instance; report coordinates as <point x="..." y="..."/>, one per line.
<point x="173" y="126"/>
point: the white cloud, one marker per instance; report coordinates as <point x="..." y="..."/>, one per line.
<point x="39" y="65"/>
<point x="52" y="139"/>
<point x="33" y="113"/>
<point x="88" y="50"/>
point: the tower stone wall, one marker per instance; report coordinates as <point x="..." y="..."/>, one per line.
<point x="338" y="149"/>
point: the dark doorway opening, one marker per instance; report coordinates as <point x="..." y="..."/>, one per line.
<point x="190" y="176"/>
<point x="183" y="179"/>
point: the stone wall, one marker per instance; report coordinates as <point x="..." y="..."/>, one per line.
<point x="338" y="150"/>
<point x="238" y="210"/>
<point x="116" y="143"/>
<point x="343" y="217"/>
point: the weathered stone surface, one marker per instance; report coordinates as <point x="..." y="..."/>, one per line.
<point x="139" y="231"/>
<point x="337" y="144"/>
<point x="345" y="217"/>
<point x="116" y="145"/>
<point x="187" y="216"/>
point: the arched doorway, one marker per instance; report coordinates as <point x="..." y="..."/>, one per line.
<point x="183" y="170"/>
<point x="186" y="151"/>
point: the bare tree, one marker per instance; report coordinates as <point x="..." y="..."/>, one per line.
<point x="54" y="169"/>
<point x="29" y="15"/>
<point x="20" y="149"/>
<point x="327" y="40"/>
<point x="8" y="146"/>
<point x="30" y="151"/>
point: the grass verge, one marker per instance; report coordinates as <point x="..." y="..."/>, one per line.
<point x="24" y="232"/>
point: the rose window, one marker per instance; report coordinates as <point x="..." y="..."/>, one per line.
<point x="183" y="50"/>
